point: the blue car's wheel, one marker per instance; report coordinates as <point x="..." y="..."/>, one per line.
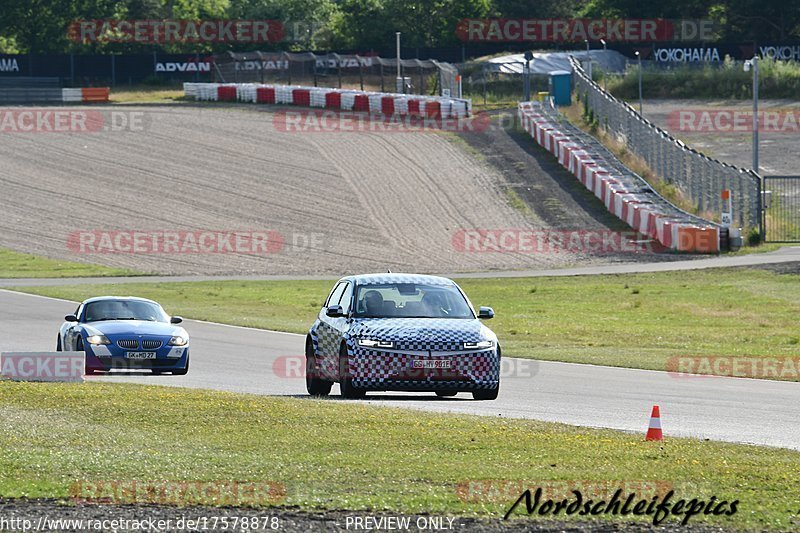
<point x="345" y="382"/>
<point x="89" y="369"/>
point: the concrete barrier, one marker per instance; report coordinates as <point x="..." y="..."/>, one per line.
<point x="624" y="193"/>
<point x="387" y="104"/>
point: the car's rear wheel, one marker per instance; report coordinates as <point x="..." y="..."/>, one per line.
<point x="345" y="381"/>
<point x="486" y="394"/>
<point x="182" y="371"/>
<point x="446" y="393"/>
<point x="315" y="385"/>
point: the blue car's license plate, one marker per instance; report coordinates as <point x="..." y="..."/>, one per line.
<point x="141" y="355"/>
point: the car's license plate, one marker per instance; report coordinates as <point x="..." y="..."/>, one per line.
<point x="432" y="363"/>
<point x="141" y="355"/>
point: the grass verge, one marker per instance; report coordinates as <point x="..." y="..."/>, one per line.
<point x="631" y="320"/>
<point x="340" y="455"/>
<point x="146" y="95"/>
<point x="19" y="265"/>
<point x="574" y="113"/>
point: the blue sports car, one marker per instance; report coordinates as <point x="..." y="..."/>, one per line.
<point x="401" y="332"/>
<point x="126" y="333"/>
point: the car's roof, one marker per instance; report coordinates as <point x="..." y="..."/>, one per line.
<point x="118" y="298"/>
<point x="391" y="277"/>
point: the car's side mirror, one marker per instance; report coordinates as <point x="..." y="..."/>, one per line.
<point x="176" y="320"/>
<point x="486" y="313"/>
<point x="334" y="311"/>
<point x="71" y="318"/>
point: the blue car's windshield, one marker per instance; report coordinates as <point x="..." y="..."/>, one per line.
<point x="411" y="300"/>
<point x="124" y="310"/>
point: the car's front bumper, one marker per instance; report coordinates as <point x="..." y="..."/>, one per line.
<point x="396" y="370"/>
<point x="112" y="357"/>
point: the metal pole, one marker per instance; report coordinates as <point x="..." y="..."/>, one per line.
<point x="755" y="114"/>
<point x="605" y="73"/>
<point x="589" y="59"/>
<point x="527" y="81"/>
<point x="397" y="36"/>
<point x="639" y="56"/>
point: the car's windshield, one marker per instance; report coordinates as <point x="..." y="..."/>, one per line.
<point x="124" y="310"/>
<point x="411" y="300"/>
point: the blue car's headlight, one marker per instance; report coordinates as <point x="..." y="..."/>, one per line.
<point x="480" y="345"/>
<point x="369" y="343"/>
<point x="97" y="339"/>
<point x="178" y="341"/>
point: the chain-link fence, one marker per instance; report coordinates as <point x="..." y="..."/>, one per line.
<point x="700" y="178"/>
<point x="366" y="73"/>
<point x="484" y="85"/>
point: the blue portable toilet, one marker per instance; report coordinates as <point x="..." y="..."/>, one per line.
<point x="561" y="87"/>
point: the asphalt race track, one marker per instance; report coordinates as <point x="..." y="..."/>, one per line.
<point x="247" y="360"/>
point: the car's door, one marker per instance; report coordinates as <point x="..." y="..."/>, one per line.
<point x="324" y="330"/>
<point x="331" y="329"/>
<point x="72" y="331"/>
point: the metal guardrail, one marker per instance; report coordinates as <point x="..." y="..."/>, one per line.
<point x="30" y="95"/>
<point x="700" y="178"/>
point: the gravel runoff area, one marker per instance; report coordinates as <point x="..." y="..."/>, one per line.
<point x="342" y="202"/>
<point x="291" y="520"/>
<point x="710" y="133"/>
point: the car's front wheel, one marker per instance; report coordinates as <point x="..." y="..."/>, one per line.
<point x="315" y="385"/>
<point x="89" y="370"/>
<point x="345" y="381"/>
<point x="182" y="371"/>
<point x="486" y="394"/>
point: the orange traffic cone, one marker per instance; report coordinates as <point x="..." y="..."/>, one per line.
<point x="654" y="430"/>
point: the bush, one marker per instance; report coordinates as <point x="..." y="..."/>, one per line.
<point x="754" y="237"/>
<point x="777" y="79"/>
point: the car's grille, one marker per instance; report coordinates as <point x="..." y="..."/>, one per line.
<point x="128" y="343"/>
<point x="151" y="344"/>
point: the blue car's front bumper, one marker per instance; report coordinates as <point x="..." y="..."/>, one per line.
<point x="113" y="357"/>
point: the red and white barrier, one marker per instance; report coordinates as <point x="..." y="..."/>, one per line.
<point x="387" y="104"/>
<point x="661" y="221"/>
<point x="85" y="94"/>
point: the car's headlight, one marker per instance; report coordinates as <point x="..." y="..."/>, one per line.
<point x="97" y="339"/>
<point x="178" y="341"/>
<point x="480" y="345"/>
<point x="369" y="343"/>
